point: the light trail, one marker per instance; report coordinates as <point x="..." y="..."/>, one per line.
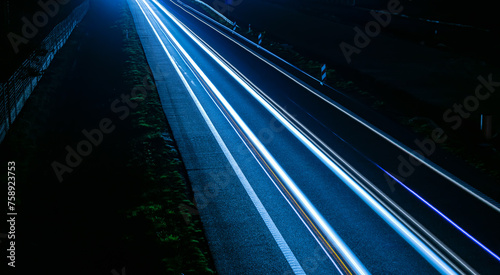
<point x="459" y="183"/>
<point x="295" y="190"/>
<point x="419" y="246"/>
<point x="282" y="244"/>
<point x="369" y="126"/>
<point x="443" y="216"/>
<point x="374" y="129"/>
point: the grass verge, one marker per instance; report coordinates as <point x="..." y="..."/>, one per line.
<point x="176" y="235"/>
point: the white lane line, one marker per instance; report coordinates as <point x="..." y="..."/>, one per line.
<point x="282" y="244"/>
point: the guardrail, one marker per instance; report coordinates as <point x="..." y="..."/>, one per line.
<point x="20" y="85"/>
<point x="215" y="11"/>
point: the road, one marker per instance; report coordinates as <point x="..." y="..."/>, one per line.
<point x="287" y="179"/>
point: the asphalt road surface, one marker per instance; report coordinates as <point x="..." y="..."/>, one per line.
<point x="288" y="180"/>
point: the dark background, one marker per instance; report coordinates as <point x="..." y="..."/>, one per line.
<point x="12" y="11"/>
<point x="480" y="13"/>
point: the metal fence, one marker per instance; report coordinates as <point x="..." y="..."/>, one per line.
<point x="18" y="88"/>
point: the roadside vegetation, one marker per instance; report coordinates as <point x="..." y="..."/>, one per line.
<point x="176" y="235"/>
<point x="122" y="202"/>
